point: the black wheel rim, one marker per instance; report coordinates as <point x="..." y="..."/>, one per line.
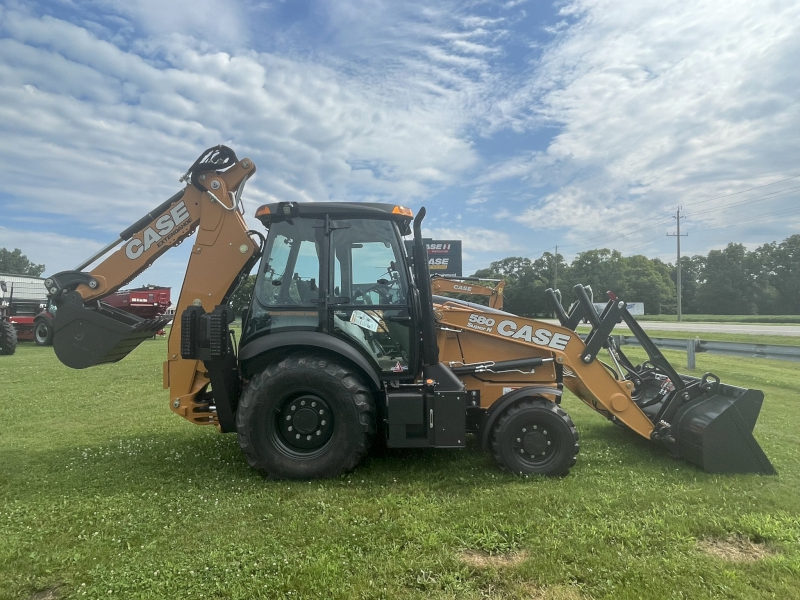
<point x="534" y="443"/>
<point x="304" y="424"/>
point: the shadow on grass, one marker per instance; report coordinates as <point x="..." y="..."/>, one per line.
<point x="204" y="458"/>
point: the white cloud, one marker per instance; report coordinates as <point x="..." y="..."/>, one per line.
<point x="659" y="104"/>
<point x="217" y="21"/>
<point x="57" y="252"/>
<point x="473" y="48"/>
<point x="100" y="133"/>
<point x="475" y="239"/>
<point x="649" y="105"/>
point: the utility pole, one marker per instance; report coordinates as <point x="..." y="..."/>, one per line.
<point x="678" y="237"/>
<point x="555" y="278"/>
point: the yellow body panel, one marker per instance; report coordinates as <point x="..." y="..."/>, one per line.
<point x="467" y="335"/>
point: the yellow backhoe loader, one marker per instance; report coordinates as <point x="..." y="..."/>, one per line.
<point x="344" y="341"/>
<point x="470" y="286"/>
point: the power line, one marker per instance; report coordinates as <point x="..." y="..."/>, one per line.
<point x="757" y="219"/>
<point x="600" y="240"/>
<point x="750" y="200"/>
<point x="758" y="187"/>
<point x="769" y="196"/>
<point x="590" y="243"/>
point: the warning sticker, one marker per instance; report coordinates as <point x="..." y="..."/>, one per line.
<point x="364" y="321"/>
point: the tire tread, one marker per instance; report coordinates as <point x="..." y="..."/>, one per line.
<point x="362" y="400"/>
<point x="8" y="338"/>
<point x="518" y="407"/>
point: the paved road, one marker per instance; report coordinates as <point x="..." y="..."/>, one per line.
<point x="742" y="328"/>
<point x="746" y="328"/>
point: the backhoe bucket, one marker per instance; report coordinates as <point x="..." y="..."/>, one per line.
<point x="84" y="336"/>
<point x="715" y="431"/>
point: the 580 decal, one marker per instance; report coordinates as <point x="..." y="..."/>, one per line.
<point x="480" y="322"/>
<point x="510" y="329"/>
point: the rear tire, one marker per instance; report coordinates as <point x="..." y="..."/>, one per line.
<point x="305" y="417"/>
<point x="8" y="338"/>
<point x="535" y="436"/>
<point x="43" y="333"/>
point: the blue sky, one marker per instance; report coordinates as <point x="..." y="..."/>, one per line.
<point x="520" y="125"/>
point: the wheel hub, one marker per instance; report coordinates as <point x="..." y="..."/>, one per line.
<point x="533" y="443"/>
<point x="305" y="422"/>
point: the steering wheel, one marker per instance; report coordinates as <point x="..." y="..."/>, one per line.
<point x="382" y="287"/>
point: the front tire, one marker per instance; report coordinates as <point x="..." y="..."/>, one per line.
<point x="43" y="333"/>
<point x="535" y="436"/>
<point x="8" y="338"/>
<point x="305" y="417"/>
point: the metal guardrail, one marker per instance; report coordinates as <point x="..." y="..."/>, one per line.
<point x="727" y="348"/>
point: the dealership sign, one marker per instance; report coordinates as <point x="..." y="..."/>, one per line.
<point x="444" y="256"/>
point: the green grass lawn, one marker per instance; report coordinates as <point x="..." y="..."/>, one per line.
<point x="766" y="319"/>
<point x="105" y="493"/>
<point x="744" y="338"/>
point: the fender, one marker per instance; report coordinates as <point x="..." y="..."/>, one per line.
<point x="496" y="409"/>
<point x="44" y="316"/>
<point x="288" y="339"/>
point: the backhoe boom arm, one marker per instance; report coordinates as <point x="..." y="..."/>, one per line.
<point x="89" y="332"/>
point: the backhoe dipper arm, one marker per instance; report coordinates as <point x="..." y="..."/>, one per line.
<point x="465" y="285"/>
<point x="88" y="332"/>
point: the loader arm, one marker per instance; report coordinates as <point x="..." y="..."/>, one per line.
<point x="89" y="332"/>
<point x="698" y="419"/>
<point x="469" y="285"/>
<point x="592" y="382"/>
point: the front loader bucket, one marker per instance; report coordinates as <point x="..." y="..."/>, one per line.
<point x="699" y="419"/>
<point x="715" y="431"/>
<point x="84" y="336"/>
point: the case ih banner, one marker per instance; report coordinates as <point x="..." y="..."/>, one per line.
<point x="444" y="256"/>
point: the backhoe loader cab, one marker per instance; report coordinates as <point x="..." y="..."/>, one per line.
<point x="337" y="273"/>
<point x="344" y="342"/>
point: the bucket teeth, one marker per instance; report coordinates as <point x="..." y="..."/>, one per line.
<point x="87" y="336"/>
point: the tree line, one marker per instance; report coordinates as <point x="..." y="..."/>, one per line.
<point x="732" y="281"/>
<point x="14" y="262"/>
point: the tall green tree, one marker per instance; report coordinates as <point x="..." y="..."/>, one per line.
<point x="524" y="292"/>
<point x="763" y="264"/>
<point x="649" y="281"/>
<point x="602" y="269"/>
<point x="552" y="269"/>
<point x="728" y="286"/>
<point x="691" y="270"/>
<point x="785" y="272"/>
<point x="15" y="262"/>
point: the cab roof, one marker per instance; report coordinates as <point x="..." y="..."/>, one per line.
<point x="352" y="209"/>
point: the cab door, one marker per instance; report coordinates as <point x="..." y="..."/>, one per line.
<point x="370" y="300"/>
